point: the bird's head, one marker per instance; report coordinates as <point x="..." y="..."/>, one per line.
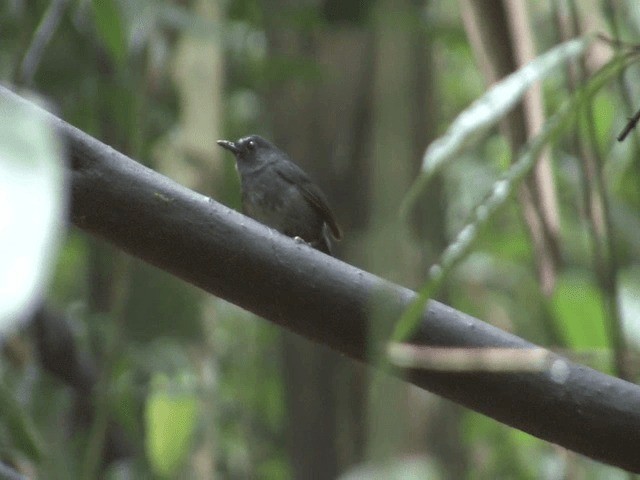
<point x="250" y="151"/>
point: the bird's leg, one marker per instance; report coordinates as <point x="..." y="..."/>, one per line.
<point x="320" y="244"/>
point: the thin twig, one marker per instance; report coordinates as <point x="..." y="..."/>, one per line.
<point x="596" y="206"/>
<point x="41" y="39"/>
<point x="631" y="124"/>
<point x="633" y="47"/>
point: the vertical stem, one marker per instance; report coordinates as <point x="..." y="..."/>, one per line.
<point x="596" y="206"/>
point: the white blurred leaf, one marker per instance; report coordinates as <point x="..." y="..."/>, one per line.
<point x="409" y="468"/>
<point x="32" y="194"/>
<point x="483" y="114"/>
<point x="629" y="298"/>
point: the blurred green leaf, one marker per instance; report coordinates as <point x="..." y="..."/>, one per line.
<point x="410" y="468"/>
<point x="577" y="304"/>
<point x="170" y="418"/>
<point x="69" y="282"/>
<point x="173" y="305"/>
<point x="32" y="194"/>
<point x="604" y="108"/>
<point x="519" y="454"/>
<point x="13" y="416"/>
<point x="108" y="18"/>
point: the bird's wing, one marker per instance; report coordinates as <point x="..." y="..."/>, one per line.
<point x="293" y="174"/>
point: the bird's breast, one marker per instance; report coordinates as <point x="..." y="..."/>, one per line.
<point x="273" y="201"/>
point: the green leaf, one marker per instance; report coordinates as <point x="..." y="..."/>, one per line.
<point x="483" y="114"/>
<point x="19" y="426"/>
<point x="578" y="307"/>
<point x="108" y="18"/>
<point x="607" y="109"/>
<point x="32" y="197"/>
<point x="170" y="420"/>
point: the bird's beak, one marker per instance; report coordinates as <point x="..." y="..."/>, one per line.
<point x="231" y="146"/>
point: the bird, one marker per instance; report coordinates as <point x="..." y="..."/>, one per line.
<point x="279" y="194"/>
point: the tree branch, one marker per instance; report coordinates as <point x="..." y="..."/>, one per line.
<point x="330" y="302"/>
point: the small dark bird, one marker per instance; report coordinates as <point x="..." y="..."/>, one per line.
<point x="278" y="193"/>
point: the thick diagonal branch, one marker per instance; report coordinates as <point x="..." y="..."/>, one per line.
<point x="330" y="302"/>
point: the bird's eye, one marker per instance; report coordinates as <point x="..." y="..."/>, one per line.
<point x="251" y="145"/>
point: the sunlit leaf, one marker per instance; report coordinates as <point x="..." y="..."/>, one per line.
<point x="171" y="417"/>
<point x="31" y="208"/>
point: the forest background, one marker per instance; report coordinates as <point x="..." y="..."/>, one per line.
<point x="178" y="384"/>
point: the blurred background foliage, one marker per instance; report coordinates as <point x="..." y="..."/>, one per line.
<point x="126" y="372"/>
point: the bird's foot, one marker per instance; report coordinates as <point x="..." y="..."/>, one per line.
<point x="320" y="244"/>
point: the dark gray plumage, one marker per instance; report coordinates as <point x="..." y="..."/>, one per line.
<point x="278" y="193"/>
